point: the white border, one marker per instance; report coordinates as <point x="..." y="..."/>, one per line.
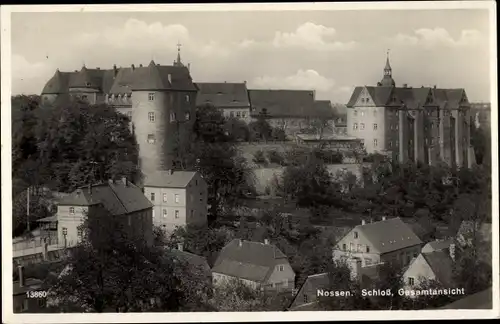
<point x="7" y="309"/>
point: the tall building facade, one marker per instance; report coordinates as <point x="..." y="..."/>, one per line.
<point x="160" y="101"/>
<point x="425" y="124"/>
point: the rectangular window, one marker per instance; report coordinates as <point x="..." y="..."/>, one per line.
<point x="231" y="114"/>
<point x="176" y="214"/>
<point x="355" y="112"/>
<point x="173" y="117"/>
<point x="152" y="196"/>
<point x="244" y="114"/>
<point x="390" y="143"/>
<point x="375" y="142"/>
<point x="176" y="198"/>
<point x="355" y="126"/>
<point x="187" y="98"/>
<point x="165" y="197"/>
<point x="362" y="126"/>
<point x="281" y="268"/>
<point x="351" y="246"/>
<point x="375" y="126"/>
<point x="305" y="298"/>
<point x="164" y="212"/>
<point x="367" y="249"/>
<point x="192" y="213"/>
<point x="151" y="139"/>
<point x="355" y="235"/>
<point x="151" y="96"/>
<point x="72" y="210"/>
<point x="411" y="281"/>
<point x="360" y="248"/>
<point x="188" y="116"/>
<point x="344" y="247"/>
<point x="397" y="126"/>
<point x="151" y="117"/>
<point x="362" y="113"/>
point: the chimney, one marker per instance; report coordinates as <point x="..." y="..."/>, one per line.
<point x="98" y="68"/>
<point x="124" y="180"/>
<point x="384" y="218"/>
<point x="115" y="70"/>
<point x="355" y="267"/>
<point x="435" y="86"/>
<point x="245" y="82"/>
<point x="140" y="65"/>
<point x="20" y="270"/>
<point x="133" y="67"/>
<point x="405" y="85"/>
<point x="363" y="222"/>
<point x="76" y="70"/>
<point x="452" y="251"/>
<point x="266" y="241"/>
<point x="180" y="246"/>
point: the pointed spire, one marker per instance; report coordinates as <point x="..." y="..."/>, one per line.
<point x="178" y="62"/>
<point x="152" y="63"/>
<point x="387" y="64"/>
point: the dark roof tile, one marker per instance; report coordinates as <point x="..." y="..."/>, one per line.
<point x="389" y="235"/>
<point x="282" y="103"/>
<point x="223" y="95"/>
<point x="164" y="179"/>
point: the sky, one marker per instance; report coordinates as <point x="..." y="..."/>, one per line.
<point x="327" y="51"/>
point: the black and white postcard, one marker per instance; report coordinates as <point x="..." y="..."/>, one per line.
<point x="249" y="162"/>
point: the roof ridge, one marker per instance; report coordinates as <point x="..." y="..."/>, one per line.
<point x="116" y="195"/>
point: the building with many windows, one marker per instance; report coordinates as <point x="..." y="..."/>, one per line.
<point x="179" y="198"/>
<point x="425" y="124"/>
<point x="160" y="100"/>
<point x="231" y="98"/>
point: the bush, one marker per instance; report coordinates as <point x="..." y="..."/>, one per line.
<point x="259" y="157"/>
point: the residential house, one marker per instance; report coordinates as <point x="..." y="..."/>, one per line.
<point x="258" y="265"/>
<point x="26" y="292"/>
<point x="307" y="296"/>
<point x="425" y="124"/>
<point x="431" y="266"/>
<point x="340" y="119"/>
<point x="388" y="240"/>
<point x="120" y="198"/>
<point x="290" y="110"/>
<point x="179" y="198"/>
<point x="231" y="98"/>
<point x="160" y="101"/>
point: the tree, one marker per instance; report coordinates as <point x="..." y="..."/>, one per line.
<point x="259" y="157"/>
<point x="113" y="271"/>
<point x="214" y="155"/>
<point x="390" y="277"/>
<point x="261" y="128"/>
<point x="237" y="129"/>
<point x="339" y="278"/>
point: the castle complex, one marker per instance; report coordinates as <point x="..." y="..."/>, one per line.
<point x="425" y="124"/>
<point x="159" y="100"/>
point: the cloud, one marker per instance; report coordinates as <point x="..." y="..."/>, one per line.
<point x="311" y="36"/>
<point x="439" y="37"/>
<point x="28" y="77"/>
<point x="303" y="79"/>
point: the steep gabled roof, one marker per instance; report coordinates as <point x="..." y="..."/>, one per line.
<point x="58" y="83"/>
<point x="442" y="266"/>
<point x="116" y="197"/>
<point x="437" y="245"/>
<point x="282" y="103"/>
<point x="222" y="94"/>
<point x="323" y="109"/>
<point x="389" y="235"/>
<point x="380" y="95"/>
<point x="164" y="179"/>
<point x="254" y="261"/>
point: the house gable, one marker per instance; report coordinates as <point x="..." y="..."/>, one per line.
<point x="277" y="276"/>
<point x="364" y="99"/>
<point x="419" y="269"/>
<point x="350" y="237"/>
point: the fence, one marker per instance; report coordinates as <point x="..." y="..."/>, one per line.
<point x="34" y="243"/>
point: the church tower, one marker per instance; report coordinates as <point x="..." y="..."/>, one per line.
<point x="387" y="80"/>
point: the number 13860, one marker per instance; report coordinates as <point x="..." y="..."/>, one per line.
<point x="36" y="294"/>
